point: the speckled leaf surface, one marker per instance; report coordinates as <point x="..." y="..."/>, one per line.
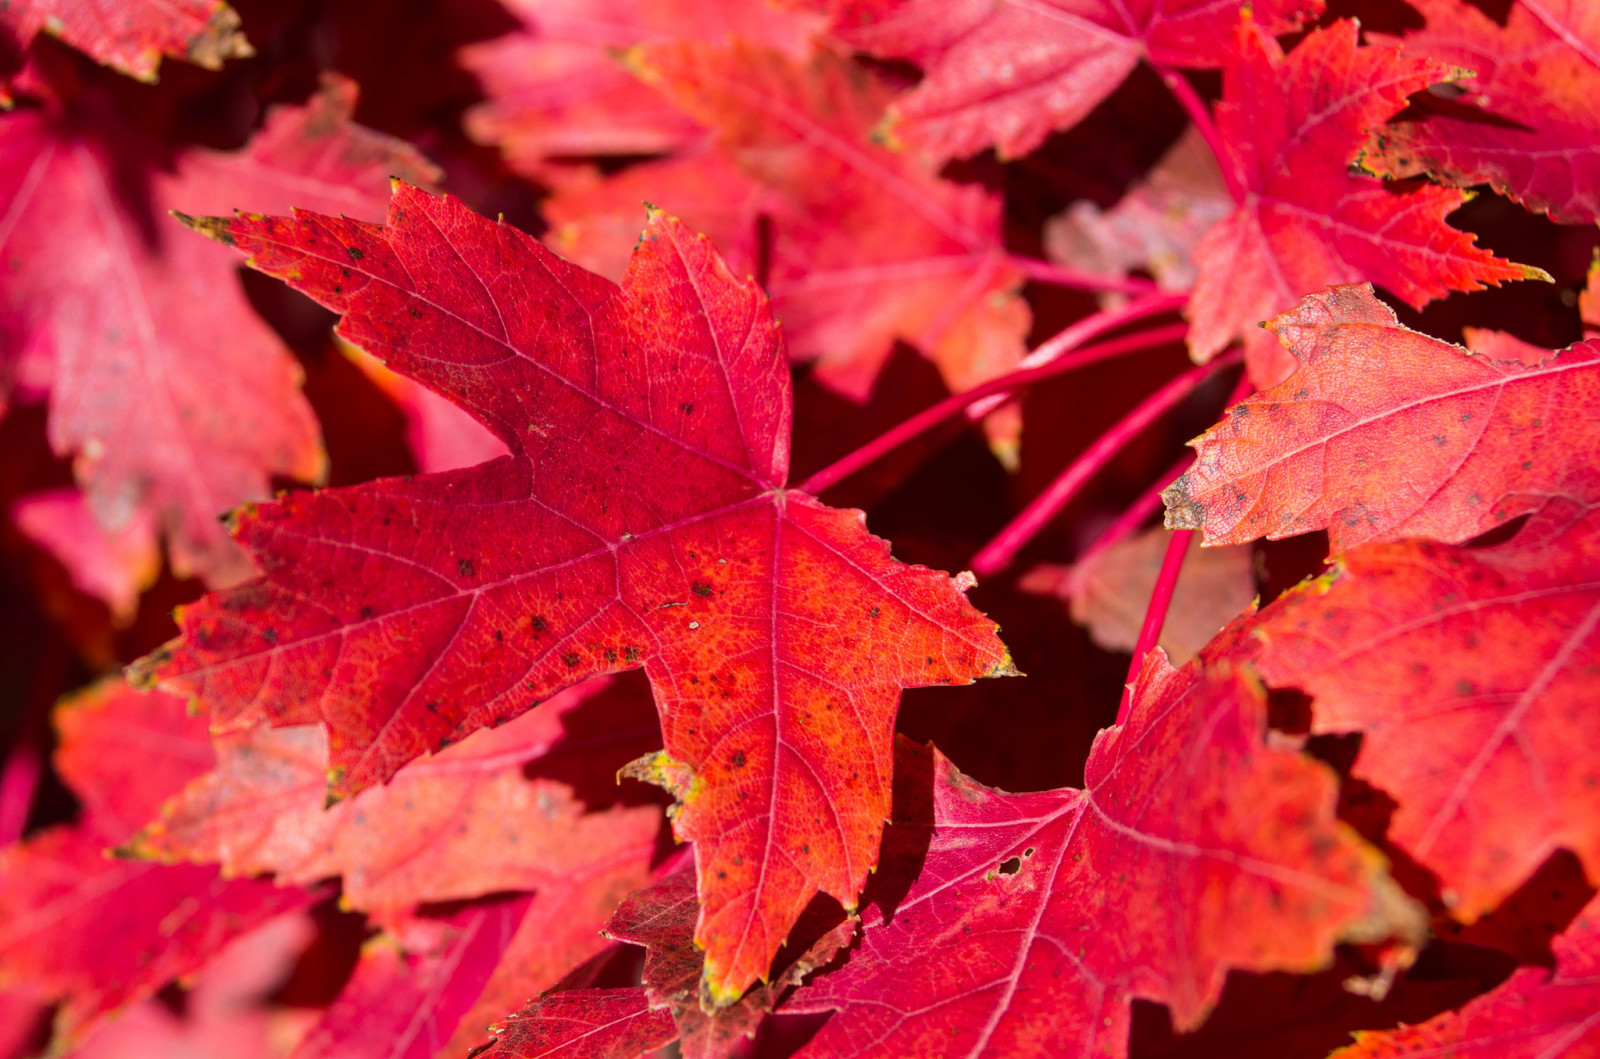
<point x="641" y="519"/>
<point x="1382" y="433"/>
<point x="1026" y="924"/>
<point x="1548" y="1014"/>
<point x="1470" y="674"/>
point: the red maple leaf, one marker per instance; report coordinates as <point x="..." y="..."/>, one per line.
<point x="61" y="897"/>
<point x="414" y="983"/>
<point x="1025" y="924"/>
<point x="113" y="566"/>
<point x="1382" y="432"/>
<point x="1291" y="125"/>
<point x="640" y="520"/>
<point x="1528" y="122"/>
<point x="560" y="930"/>
<point x="1469" y="673"/>
<point x="661" y="917"/>
<point x="1535" y="1012"/>
<point x="466" y="823"/>
<point x="130" y="35"/>
<point x="583" y="1024"/>
<point x="604" y="465"/>
<point x="867" y="247"/>
<point x="557" y="88"/>
<point x="1008" y="74"/>
<point x="224" y="1012"/>
<point x="1155" y="226"/>
<point x="171" y="394"/>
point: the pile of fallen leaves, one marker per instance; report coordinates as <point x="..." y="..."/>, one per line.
<point x="484" y="651"/>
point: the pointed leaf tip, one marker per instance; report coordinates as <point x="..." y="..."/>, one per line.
<point x="218" y="228"/>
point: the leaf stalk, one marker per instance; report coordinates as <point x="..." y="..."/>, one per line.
<point x="1055" y="275"/>
<point x="1155" y="615"/>
<point x="955" y="404"/>
<point x="1200" y="114"/>
<point x="999" y="552"/>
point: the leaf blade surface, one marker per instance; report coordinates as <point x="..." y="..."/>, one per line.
<point x="640" y="520"/>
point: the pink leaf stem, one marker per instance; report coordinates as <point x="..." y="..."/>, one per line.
<point x="998" y="553"/>
<point x="1092" y="326"/>
<point x="1200" y="114"/>
<point x="1149" y="502"/>
<point x="1155" y="615"/>
<point x="1005" y="384"/>
<point x="1135" y="514"/>
<point x="18" y="781"/>
<point x="1055" y="275"/>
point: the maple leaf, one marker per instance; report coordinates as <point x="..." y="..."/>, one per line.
<point x="463" y="824"/>
<point x="413" y="983"/>
<point x="556" y="88"/>
<point x="559" y="932"/>
<point x="223" y="1014"/>
<point x="129" y="35"/>
<point x="867" y="247"/>
<point x="661" y="917"/>
<point x="1154" y="227"/>
<point x="60" y="897"/>
<point x="1026" y="924"/>
<point x="1007" y="74"/>
<point x="1108" y="592"/>
<point x="1382" y="432"/>
<point x="1502" y="345"/>
<point x="583" y="1024"/>
<point x="172" y="395"/>
<point x="1469" y="673"/>
<point x="1535" y="1012"/>
<point x="640" y="520"/>
<point x="1290" y="126"/>
<point x="113" y="567"/>
<point x="1527" y="123"/>
<point x="594" y="216"/>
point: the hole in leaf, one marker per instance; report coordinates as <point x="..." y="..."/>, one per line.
<point x="1011" y="867"/>
<point x="1499" y="535"/>
<point x="1289" y="711"/>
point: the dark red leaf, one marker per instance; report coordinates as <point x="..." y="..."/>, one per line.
<point x="1292" y="126"/>
<point x="1006" y="75"/>
<point x="1026" y="924"/>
